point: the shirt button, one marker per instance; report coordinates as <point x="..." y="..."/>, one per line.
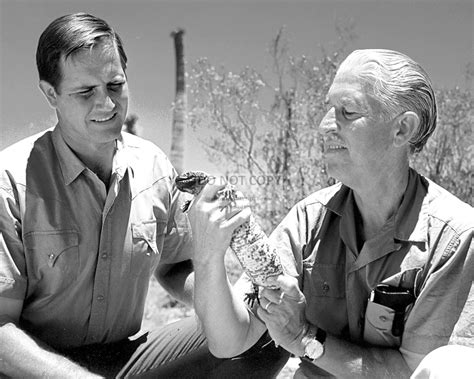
<point x="325" y="287"/>
<point x="100" y="298"/>
<point x="383" y="318"/>
<point x="51" y="256"/>
<point x="104" y="256"/>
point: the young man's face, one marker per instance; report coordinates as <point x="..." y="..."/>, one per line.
<point x="357" y="140"/>
<point x="91" y="100"/>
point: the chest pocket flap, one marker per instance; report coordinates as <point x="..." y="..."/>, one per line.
<point x="50" y="246"/>
<point x="147" y="243"/>
<point x="52" y="259"/>
<point x="147" y="232"/>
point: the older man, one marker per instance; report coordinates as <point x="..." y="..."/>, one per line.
<point x="378" y="267"/>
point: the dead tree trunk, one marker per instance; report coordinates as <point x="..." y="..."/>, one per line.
<point x="180" y="105"/>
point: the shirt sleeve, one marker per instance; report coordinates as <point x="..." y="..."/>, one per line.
<point x="177" y="245"/>
<point x="12" y="259"/>
<point x="287" y="239"/>
<point x="443" y="312"/>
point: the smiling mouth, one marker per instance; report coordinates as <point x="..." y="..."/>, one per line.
<point x="105" y="119"/>
<point x="335" y="147"/>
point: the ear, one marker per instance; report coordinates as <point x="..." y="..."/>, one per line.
<point x="49" y="92"/>
<point x="406" y="124"/>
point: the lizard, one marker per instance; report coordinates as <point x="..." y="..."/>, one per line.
<point x="248" y="242"/>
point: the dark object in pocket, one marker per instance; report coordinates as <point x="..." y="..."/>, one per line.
<point x="396" y="298"/>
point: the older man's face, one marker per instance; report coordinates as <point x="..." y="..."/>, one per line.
<point x="357" y="142"/>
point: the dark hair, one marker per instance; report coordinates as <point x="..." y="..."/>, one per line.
<point x="68" y="34"/>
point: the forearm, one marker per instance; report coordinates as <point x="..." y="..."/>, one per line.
<point x="229" y="326"/>
<point x="348" y="360"/>
<point x="21" y="356"/>
<point x="178" y="280"/>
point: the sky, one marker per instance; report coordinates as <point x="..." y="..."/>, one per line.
<point x="436" y="33"/>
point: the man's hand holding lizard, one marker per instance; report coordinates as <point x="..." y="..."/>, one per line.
<point x="283" y="311"/>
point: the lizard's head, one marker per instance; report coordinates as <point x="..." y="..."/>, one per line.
<point x="192" y="182"/>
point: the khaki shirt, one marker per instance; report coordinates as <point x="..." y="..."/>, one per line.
<point x="430" y="235"/>
<point x="79" y="256"/>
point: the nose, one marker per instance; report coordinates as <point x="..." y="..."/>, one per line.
<point x="104" y="101"/>
<point x="328" y="124"/>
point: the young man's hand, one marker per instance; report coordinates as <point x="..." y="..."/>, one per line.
<point x="213" y="220"/>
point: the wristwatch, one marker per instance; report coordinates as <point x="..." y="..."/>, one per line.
<point x="313" y="342"/>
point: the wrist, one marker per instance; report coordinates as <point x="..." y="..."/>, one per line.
<point x="208" y="257"/>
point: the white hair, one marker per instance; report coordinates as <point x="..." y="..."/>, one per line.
<point x="399" y="84"/>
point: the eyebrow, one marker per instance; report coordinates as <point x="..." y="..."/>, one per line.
<point x="83" y="87"/>
<point x="346" y="100"/>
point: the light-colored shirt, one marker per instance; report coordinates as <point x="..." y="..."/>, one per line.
<point x="430" y="236"/>
<point x="78" y="255"/>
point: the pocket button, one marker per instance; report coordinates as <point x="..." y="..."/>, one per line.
<point x="325" y="287"/>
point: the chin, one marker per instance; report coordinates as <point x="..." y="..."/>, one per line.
<point x="106" y="136"/>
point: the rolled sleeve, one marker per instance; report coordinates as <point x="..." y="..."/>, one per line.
<point x="288" y="240"/>
<point x="177" y="246"/>
<point x="12" y="259"/>
<point x="443" y="309"/>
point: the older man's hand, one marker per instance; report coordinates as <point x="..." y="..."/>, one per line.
<point x="283" y="311"/>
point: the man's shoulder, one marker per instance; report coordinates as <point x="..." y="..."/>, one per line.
<point x="321" y="198"/>
<point x="21" y="148"/>
<point x="142" y="145"/>
<point x="146" y="156"/>
<point x="442" y="205"/>
<point x="14" y="158"/>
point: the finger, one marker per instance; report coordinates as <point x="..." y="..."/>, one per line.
<point x="209" y="192"/>
<point x="289" y="286"/>
<point x="266" y="306"/>
<point x="273" y="295"/>
<point x="237" y="219"/>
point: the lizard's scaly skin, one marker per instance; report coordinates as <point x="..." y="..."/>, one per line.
<point x="249" y="242"/>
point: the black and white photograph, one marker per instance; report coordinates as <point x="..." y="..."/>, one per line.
<point x="236" y="189"/>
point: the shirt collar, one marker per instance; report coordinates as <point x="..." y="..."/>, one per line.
<point x="71" y="165"/>
<point x="411" y="219"/>
<point x="410" y="222"/>
<point x="121" y="158"/>
<point x="338" y="203"/>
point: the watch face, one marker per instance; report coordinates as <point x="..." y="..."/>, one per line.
<point x="314" y="349"/>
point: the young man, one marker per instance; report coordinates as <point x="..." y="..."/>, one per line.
<point x="87" y="215"/>
<point x="378" y="267"/>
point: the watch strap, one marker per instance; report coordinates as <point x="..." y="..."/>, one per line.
<point x="321" y="335"/>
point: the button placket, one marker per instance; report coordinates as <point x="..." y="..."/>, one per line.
<point x="101" y="282"/>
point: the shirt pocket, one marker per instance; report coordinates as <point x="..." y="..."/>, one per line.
<point x="324" y="280"/>
<point x="52" y="258"/>
<point x="378" y="326"/>
<point x="324" y="289"/>
<point x="147" y="236"/>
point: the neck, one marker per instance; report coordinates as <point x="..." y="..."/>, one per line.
<point x="99" y="161"/>
<point x="379" y="199"/>
<point x="98" y="157"/>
